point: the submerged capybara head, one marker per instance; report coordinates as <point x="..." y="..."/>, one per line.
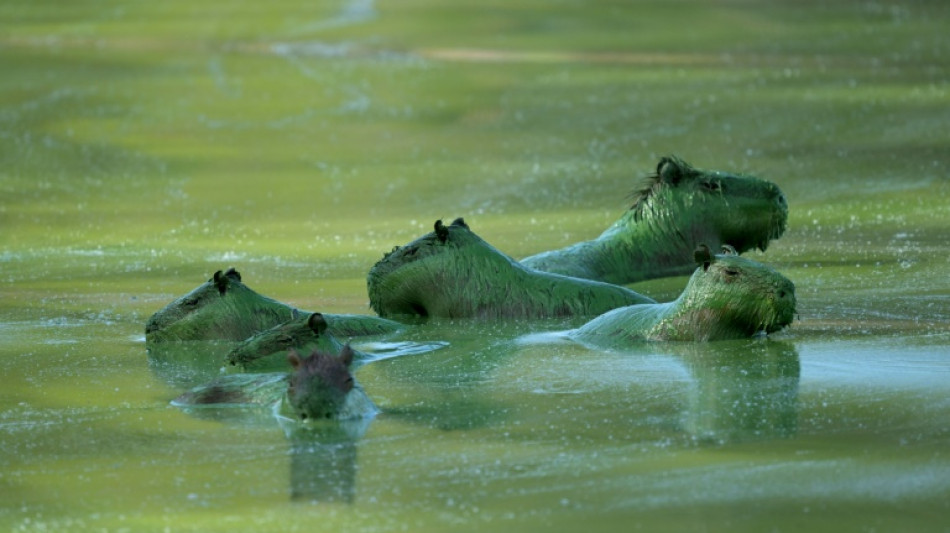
<point x="222" y="308"/>
<point x="319" y="383"/>
<point x="192" y="302"/>
<point x="744" y="211"/>
<point x="728" y="292"/>
<point x="425" y="258"/>
<point x="454" y="235"/>
<point x="306" y="333"/>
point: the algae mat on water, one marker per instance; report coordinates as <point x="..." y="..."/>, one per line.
<point x="145" y="146"/>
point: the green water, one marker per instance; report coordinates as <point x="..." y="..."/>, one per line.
<point x="144" y="145"/>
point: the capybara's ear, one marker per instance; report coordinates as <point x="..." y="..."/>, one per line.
<point x="294" y="359"/>
<point x="233" y="274"/>
<point x="459" y="222"/>
<point x="441" y="232"/>
<point x="317" y="323"/>
<point x="672" y="169"/>
<point x="346" y="355"/>
<point x="221" y="281"/>
<point x="703" y="256"/>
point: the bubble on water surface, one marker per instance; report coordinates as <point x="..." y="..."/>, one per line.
<point x="225" y="257"/>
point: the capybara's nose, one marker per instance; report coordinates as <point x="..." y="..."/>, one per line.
<point x="786" y="291"/>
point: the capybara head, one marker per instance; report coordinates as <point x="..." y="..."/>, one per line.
<point x="319" y="383"/>
<point x="303" y="333"/>
<point x="222" y="308"/>
<point x="429" y="244"/>
<point x="728" y="292"/>
<point x="744" y="211"/>
<point x="414" y="261"/>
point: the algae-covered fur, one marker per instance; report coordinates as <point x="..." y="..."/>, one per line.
<point x="269" y="349"/>
<point x="453" y="273"/>
<point x="728" y="297"/>
<point x="224" y="308"/>
<point x="675" y="210"/>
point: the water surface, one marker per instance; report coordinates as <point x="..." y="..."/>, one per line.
<point x="146" y="145"/>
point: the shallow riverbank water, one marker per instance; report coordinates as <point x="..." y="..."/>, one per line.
<point x="144" y="146"/>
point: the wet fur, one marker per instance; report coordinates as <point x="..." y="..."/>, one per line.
<point x="319" y="383"/>
<point x="320" y="386"/>
<point x="728" y="297"/>
<point x="673" y="210"/>
<point x="224" y="308"/>
<point x="453" y="273"/>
